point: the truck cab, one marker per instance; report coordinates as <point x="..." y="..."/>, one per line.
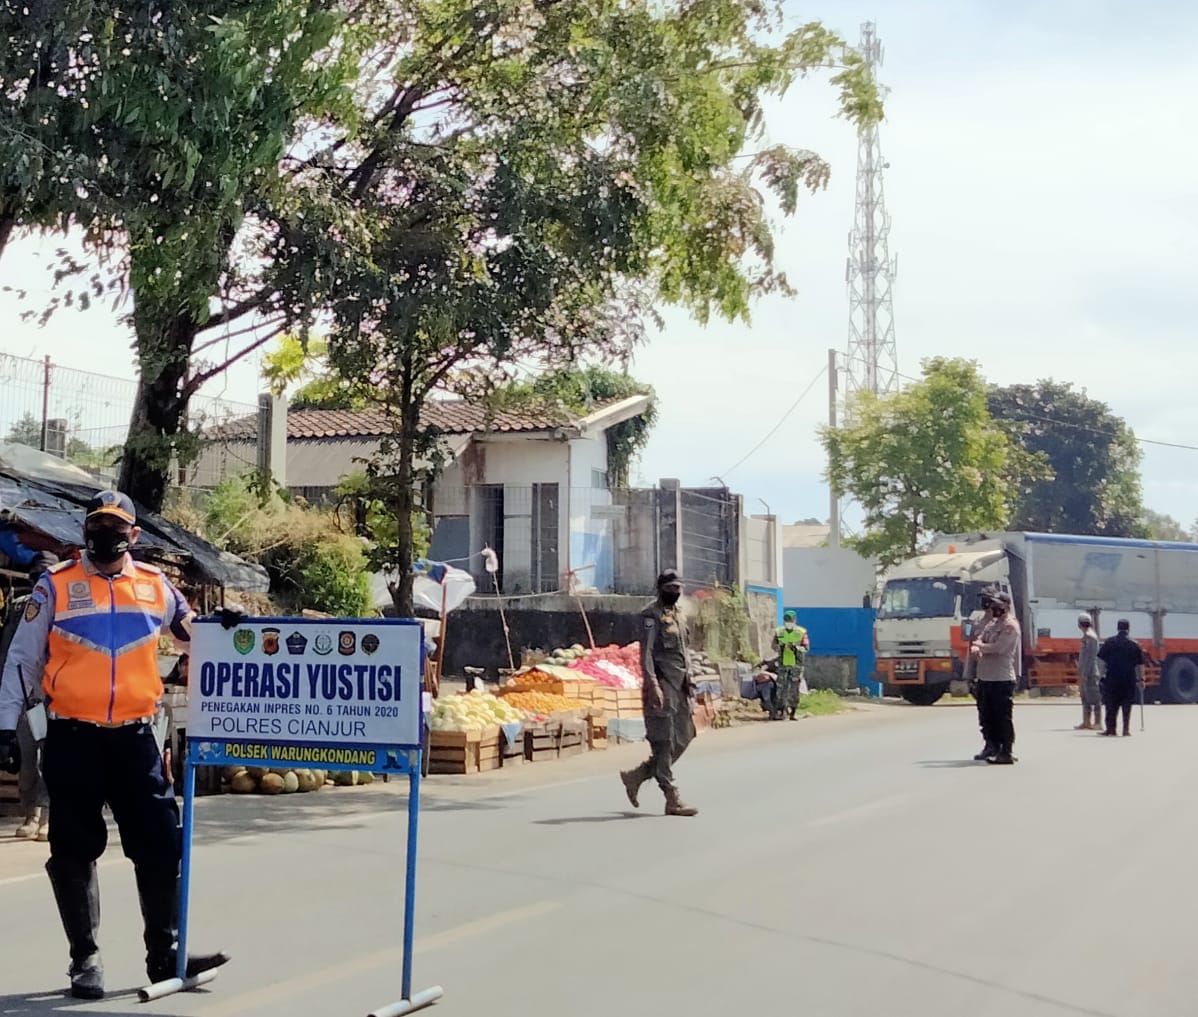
<point x="923" y="613"/>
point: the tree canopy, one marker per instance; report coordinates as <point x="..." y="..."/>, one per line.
<point x="926" y="460"/>
<point x="1092" y="484"/>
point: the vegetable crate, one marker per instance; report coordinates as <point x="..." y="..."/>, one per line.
<point x="511" y="753"/>
<point x="622" y="702"/>
<point x="541" y="742"/>
<point x="464" y="751"/>
<point x="574" y="738"/>
<point x="597" y="733"/>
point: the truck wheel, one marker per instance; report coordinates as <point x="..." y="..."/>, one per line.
<point x="1179" y="683"/>
<point x="922" y="695"/>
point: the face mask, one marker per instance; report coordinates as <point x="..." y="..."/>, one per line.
<point x="106" y="547"/>
<point x="790" y="625"/>
<point x="997" y="611"/>
<point x="670" y="597"/>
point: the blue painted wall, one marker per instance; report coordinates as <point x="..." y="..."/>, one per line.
<point x="843" y="632"/>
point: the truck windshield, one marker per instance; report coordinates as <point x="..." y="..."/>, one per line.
<point x="919" y="598"/>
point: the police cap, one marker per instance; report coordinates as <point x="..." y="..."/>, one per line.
<point x="112" y="503"/>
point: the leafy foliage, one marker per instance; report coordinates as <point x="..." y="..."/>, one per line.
<point x="1092" y="484"/>
<point x="576" y="391"/>
<point x="311" y="563"/>
<point x="25" y="430"/>
<point x="1161" y="526"/>
<point x="926" y="460"/>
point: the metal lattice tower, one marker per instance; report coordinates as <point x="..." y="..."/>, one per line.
<point x="872" y="359"/>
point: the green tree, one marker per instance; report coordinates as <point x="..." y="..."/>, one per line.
<point x="158" y="130"/>
<point x="576" y="391"/>
<point x="529" y="181"/>
<point x="1162" y="526"/>
<point x="1092" y="485"/>
<point x="926" y="460"/>
<point x="26" y="430"/>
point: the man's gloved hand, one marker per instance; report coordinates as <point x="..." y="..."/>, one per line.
<point x="10" y="752"/>
<point x="231" y="615"/>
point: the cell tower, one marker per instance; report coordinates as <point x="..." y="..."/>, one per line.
<point x="872" y="359"/>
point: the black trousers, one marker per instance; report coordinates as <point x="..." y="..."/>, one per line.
<point x="995" y="709"/>
<point x="1120" y="697"/>
<point x="87" y="767"/>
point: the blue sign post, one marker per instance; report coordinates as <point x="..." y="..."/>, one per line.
<point x="332" y="694"/>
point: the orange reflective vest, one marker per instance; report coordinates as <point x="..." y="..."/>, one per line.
<point x="102" y="649"/>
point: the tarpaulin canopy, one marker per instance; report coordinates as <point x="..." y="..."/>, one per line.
<point x="432" y="580"/>
<point x="47" y="514"/>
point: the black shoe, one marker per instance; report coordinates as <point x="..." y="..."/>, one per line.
<point x="160" y="969"/>
<point x="1003" y="758"/>
<point x="987" y="752"/>
<point x="77" y="893"/>
<point x="158" y="893"/>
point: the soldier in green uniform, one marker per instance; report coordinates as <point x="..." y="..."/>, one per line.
<point x="667" y="695"/>
<point x="791" y="645"/>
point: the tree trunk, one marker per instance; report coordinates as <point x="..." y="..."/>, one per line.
<point x="157" y="420"/>
<point x="405" y="497"/>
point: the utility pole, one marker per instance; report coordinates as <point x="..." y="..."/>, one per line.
<point x="833" y="494"/>
<point x="871" y="363"/>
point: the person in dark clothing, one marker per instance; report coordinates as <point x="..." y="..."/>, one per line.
<point x="977" y="622"/>
<point x="997" y="667"/>
<point x="667" y="695"/>
<point x="1124" y="662"/>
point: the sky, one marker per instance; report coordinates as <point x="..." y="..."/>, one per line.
<point x="1044" y="213"/>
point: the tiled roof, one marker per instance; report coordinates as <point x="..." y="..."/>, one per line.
<point x="456" y="416"/>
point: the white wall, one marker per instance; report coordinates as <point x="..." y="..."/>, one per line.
<point x="825" y="577"/>
<point x="591" y="536"/>
<point x="518" y="462"/>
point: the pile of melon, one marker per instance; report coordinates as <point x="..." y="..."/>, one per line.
<point x="245" y="780"/>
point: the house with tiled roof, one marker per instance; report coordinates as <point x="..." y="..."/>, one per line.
<point x="532" y="485"/>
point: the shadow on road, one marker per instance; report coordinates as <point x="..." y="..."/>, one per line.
<point x="56" y="1001"/>
<point x="611" y="817"/>
<point x="948" y="764"/>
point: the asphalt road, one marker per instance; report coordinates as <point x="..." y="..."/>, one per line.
<point x="840" y="866"/>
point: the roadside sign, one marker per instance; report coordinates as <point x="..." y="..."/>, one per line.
<point x="331" y="694"/>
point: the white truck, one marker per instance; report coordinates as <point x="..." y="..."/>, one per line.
<point x="923" y="609"/>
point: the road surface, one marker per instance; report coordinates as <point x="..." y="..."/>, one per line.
<point x="840" y="866"/>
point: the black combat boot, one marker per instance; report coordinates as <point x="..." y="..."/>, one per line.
<point x="674" y="806"/>
<point x="1003" y="757"/>
<point x="158" y="892"/>
<point x="989" y="750"/>
<point x="632" y="785"/>
<point x="77" y="893"/>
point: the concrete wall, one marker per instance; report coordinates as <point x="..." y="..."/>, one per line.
<point x="765" y="615"/>
<point x="635" y="540"/>
<point x="760" y="553"/>
<point x="826" y="577"/>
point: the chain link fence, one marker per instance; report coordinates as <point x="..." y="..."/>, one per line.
<point x="83" y="417"/>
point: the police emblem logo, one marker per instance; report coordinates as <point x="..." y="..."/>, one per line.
<point x="323" y="644"/>
<point x="79" y="595"/>
<point x="297" y="643"/>
<point x="370" y="643"/>
<point x="347" y="643"/>
<point x="243" y="640"/>
<point x="32" y="610"/>
<point x="270" y="642"/>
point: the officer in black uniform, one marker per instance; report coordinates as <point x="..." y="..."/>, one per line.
<point x="1124" y="662"/>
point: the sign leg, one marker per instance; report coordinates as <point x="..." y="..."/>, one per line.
<point x="409" y="894"/>
<point x="181" y="983"/>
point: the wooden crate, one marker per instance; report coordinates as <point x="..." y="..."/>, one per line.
<point x="464" y="752"/>
<point x="597" y="733"/>
<point x="623" y="702"/>
<point x="541" y="741"/>
<point x="572" y="740"/>
<point x="511" y="753"/>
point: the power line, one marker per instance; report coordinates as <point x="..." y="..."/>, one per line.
<point x="774" y="430"/>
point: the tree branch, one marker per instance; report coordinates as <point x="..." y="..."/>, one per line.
<point x="237" y="310"/>
<point x="193" y="385"/>
<point x="248" y="330"/>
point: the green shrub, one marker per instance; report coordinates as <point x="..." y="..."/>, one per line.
<point x="331" y="575"/>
